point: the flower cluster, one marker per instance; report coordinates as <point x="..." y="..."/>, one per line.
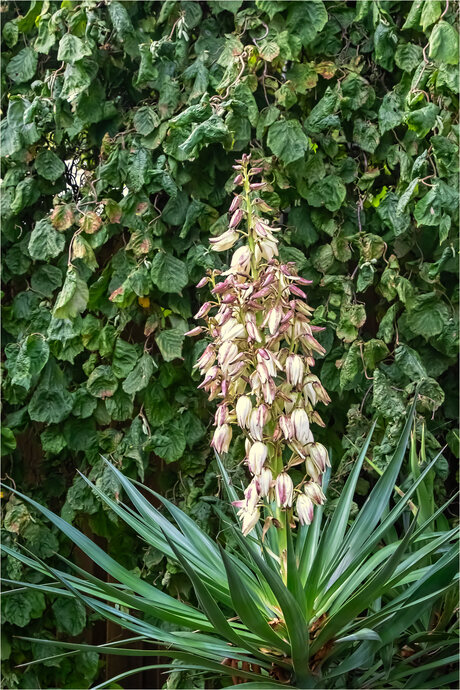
<point x="258" y="363"/>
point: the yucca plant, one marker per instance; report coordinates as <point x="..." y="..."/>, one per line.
<point x="366" y="602"/>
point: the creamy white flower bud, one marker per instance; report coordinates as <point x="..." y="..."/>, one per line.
<point x="294" y="369"/>
<point x="203" y="310"/>
<point x="301" y="425"/>
<point x="221" y="415"/>
<point x="315" y="493"/>
<point x="224" y="241"/>
<point x="241" y="260"/>
<point x="250" y="520"/>
<point x="284" y="489"/>
<point x="222" y="437"/>
<point x="243" y="410"/>
<point x="255" y="428"/>
<point x="269" y="391"/>
<point x="304" y="509"/>
<point x="232" y="329"/>
<point x="274" y="318"/>
<point x="286" y="426"/>
<point x="206" y="360"/>
<point x="251" y="495"/>
<point x="264" y="481"/>
<point x="257" y="456"/>
<point x="228" y="351"/>
<point x="312" y="469"/>
<point x="319" y="455"/>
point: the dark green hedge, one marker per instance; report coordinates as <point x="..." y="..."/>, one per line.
<point x="121" y="123"/>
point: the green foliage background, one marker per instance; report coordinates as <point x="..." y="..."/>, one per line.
<point x="121" y="121"/>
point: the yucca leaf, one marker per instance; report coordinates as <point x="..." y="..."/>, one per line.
<point x="341" y="515"/>
<point x="248" y="609"/>
<point x="366" y="594"/>
<point x="310" y="544"/>
<point x="294" y="618"/>
<point x="377" y="501"/>
<point x="293" y="582"/>
<point x="214" y="613"/>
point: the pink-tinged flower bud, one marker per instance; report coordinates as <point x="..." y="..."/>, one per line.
<point x="269" y="391"/>
<point x="238" y="179"/>
<point x="194" y="331"/>
<point x="260" y="228"/>
<point x="236" y="217"/>
<point x="264" y="481"/>
<point x="304" y="509"/>
<point x="297" y="291"/>
<point x="274" y="318"/>
<point x="243" y="410"/>
<point x="259" y="417"/>
<point x="313" y="344"/>
<point x="224" y="241"/>
<point x="319" y="455"/>
<point x="222" y="437"/>
<point x="315" y="493"/>
<point x="261" y="293"/>
<point x="204" y="281"/>
<point x="255" y="428"/>
<point x="250" y="520"/>
<point x="294" y="369"/>
<point x="203" y="310"/>
<point x="221" y="415"/>
<point x="286" y="426"/>
<point x="284" y="489"/>
<point x="268" y="280"/>
<point x="211" y="375"/>
<point x="251" y="495"/>
<point x="258" y="185"/>
<point x="303" y="281"/>
<point x="206" y="360"/>
<point x="257" y="456"/>
<point x="228" y="352"/>
<point x="229" y="299"/>
<point x="263" y="353"/>
<point x="255" y="171"/>
<point x="235" y="203"/>
<point x="252" y="329"/>
<point x="241" y="260"/>
<point x="301" y="425"/>
<point x="312" y="470"/>
<point x="221" y="287"/>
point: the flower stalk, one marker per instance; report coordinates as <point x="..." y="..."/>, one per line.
<point x="258" y="362"/>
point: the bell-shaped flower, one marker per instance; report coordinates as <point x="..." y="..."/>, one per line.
<point x="243" y="410"/>
<point x="315" y="493"/>
<point x="304" y="508"/>
<point x="264" y="481"/>
<point x="224" y="241"/>
<point x="319" y="455"/>
<point x="284" y="489"/>
<point x="301" y="425"/>
<point x="257" y="456"/>
<point x="294" y="369"/>
<point x="222" y="437"/>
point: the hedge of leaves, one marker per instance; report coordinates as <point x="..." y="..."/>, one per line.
<point x="121" y="124"/>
